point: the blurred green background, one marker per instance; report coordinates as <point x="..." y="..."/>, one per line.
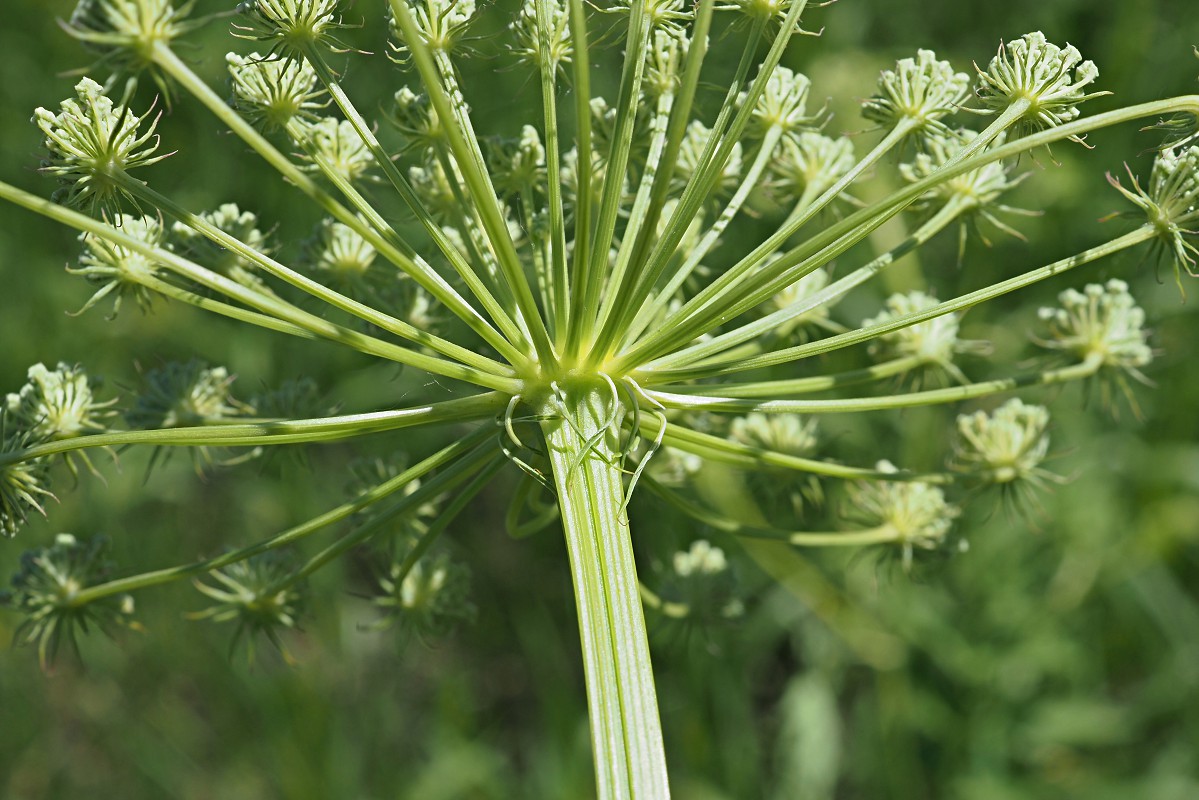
<point x="1059" y="658"/>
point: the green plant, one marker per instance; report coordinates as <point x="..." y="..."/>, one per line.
<point x="592" y="305"/>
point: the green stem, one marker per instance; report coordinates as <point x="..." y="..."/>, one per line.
<point x="581" y="73"/>
<point x="626" y="732"/>
<point x="558" y="307"/>
<point x="274" y="432"/>
<point x="266" y="303"/>
<point x="410" y="198"/>
<point x="420" y="271"/>
<point x="331" y="517"/>
<point x="477" y="181"/>
<point x="960" y="303"/>
<point x="725" y="451"/>
<point x="773" y="321"/>
<point x="952" y="394"/>
<point x="815" y="383"/>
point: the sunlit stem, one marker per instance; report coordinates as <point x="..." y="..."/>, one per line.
<point x="289" y="536"/>
<point x="773" y="321"/>
<point x="715" y="297"/>
<point x="421" y="272"/>
<point x="816" y="383"/>
<point x="952" y="394"/>
<point x="277" y="432"/>
<point x="616" y="164"/>
<point x="558" y="307"/>
<point x="723" y="367"/>
<point x="499" y="316"/>
<point x="270" y="305"/>
<point x="449" y="477"/>
<point x="748" y="183"/>
<point x="581" y="74"/>
<point x="626" y="733"/>
<point x="744" y="456"/>
<point x="637" y="214"/>
<point x="477" y="180"/>
<point x="313" y="288"/>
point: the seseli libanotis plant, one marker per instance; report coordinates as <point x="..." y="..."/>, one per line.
<point x="586" y="280"/>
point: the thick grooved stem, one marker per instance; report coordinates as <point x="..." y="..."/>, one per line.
<point x="626" y="733"/>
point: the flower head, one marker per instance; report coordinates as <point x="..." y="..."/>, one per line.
<point x="914" y="513"/>
<point x="241" y="225"/>
<point x="441" y="24"/>
<point x="807" y="164"/>
<point x="428" y="596"/>
<point x="700" y="585"/>
<point x="338" y="251"/>
<point x="1051" y="79"/>
<point x="1006" y="445"/>
<point x="919" y="92"/>
<point x="1171" y="205"/>
<point x="120" y="270"/>
<point x="526" y="31"/>
<point x="91" y="143"/>
<point x="335" y="145"/>
<point x="415" y="118"/>
<point x="291" y="25"/>
<point x="933" y="342"/>
<point x="781" y="433"/>
<point x="259" y="594"/>
<point x="24" y="482"/>
<point x="46" y="591"/>
<point x="783" y="103"/>
<point x="57" y="404"/>
<point x="183" y="394"/>
<point x="1101" y="324"/>
<point x="272" y="91"/>
<point x="126" y="32"/>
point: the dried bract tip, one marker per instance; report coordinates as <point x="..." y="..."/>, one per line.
<point x="1006" y="445"/>
<point x="916" y="514"/>
<point x="46" y="589"/>
<point x="291" y="26"/>
<point x="270" y="92"/>
<point x="1101" y="324"/>
<point x="1051" y="79"/>
<point x="91" y="142"/>
<point x="121" y="271"/>
<point x="919" y="92"/>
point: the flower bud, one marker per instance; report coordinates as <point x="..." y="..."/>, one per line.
<point x="1051" y="78"/>
<point x="782" y="433"/>
<point x="45" y="591"/>
<point x="783" y="103"/>
<point x="808" y="163"/>
<point x="241" y="225"/>
<point x="270" y="92"/>
<point x="24" y="483"/>
<point x="526" y="31"/>
<point x="91" y="141"/>
<point x="335" y="145"/>
<point x="338" y="251"/>
<point x="934" y="342"/>
<point x="120" y="271"/>
<point x="1171" y="205"/>
<point x="1006" y="445"/>
<point x="1102" y="323"/>
<point x="125" y="32"/>
<point x="441" y="24"/>
<point x="919" y="91"/>
<point x="57" y="404"/>
<point x="184" y="394"/>
<point x="915" y="513"/>
<point x="245" y="593"/>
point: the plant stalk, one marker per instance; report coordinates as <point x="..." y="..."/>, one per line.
<point x="626" y="732"/>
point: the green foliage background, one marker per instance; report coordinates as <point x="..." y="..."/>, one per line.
<point x="1059" y="658"/>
